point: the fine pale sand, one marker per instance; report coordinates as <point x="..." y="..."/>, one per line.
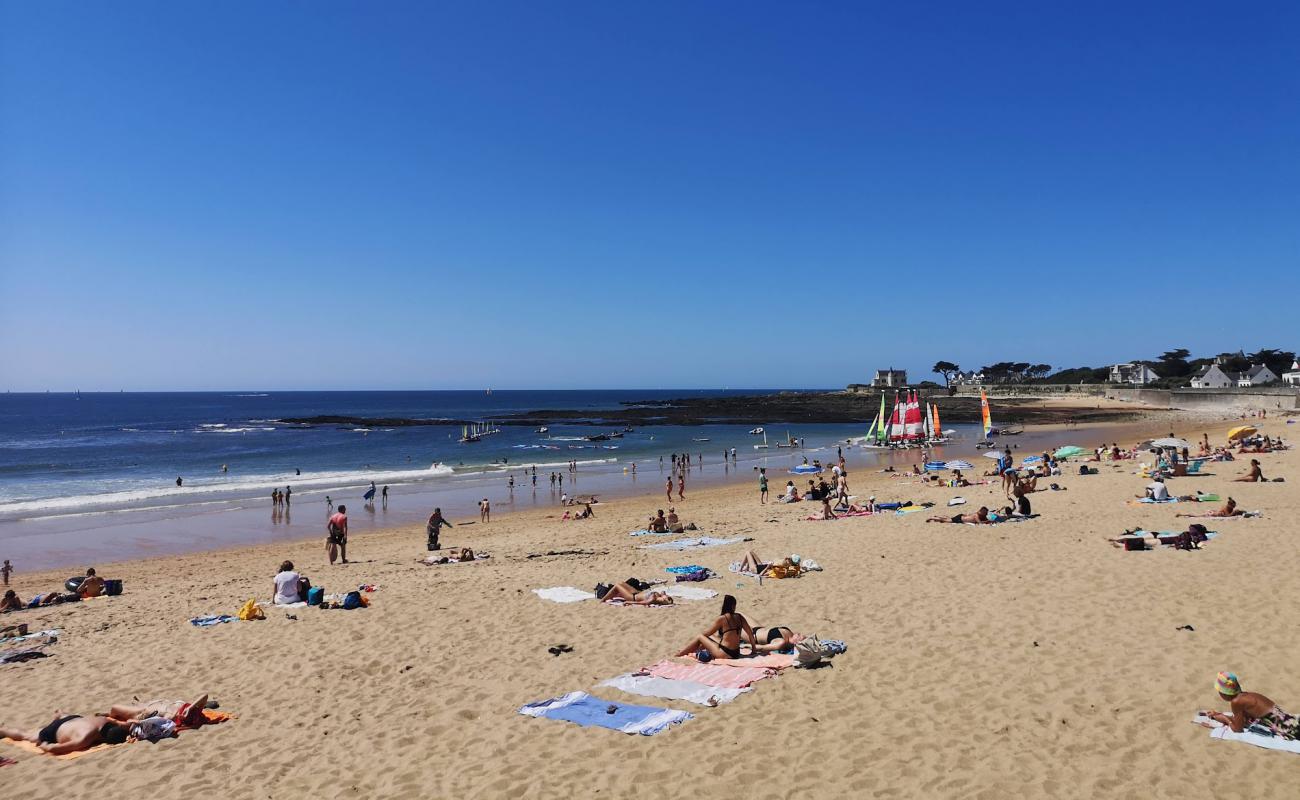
<point x="1031" y="659"/>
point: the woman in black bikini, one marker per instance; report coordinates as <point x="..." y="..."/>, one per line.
<point x="728" y="629"/>
<point x="773" y="639"/>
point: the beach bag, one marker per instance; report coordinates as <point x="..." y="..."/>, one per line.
<point x="251" y="610"/>
<point x="315" y="595"/>
<point x="352" y="600"/>
<point x="1135" y="544"/>
<point x="154" y="728"/>
<point x="112" y="588"/>
<point x="809" y="651"/>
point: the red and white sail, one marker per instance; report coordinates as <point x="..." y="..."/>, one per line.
<point x="913" y="426"/>
<point x="897" y="430"/>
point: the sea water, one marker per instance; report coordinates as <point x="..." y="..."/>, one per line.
<point x="93" y="476"/>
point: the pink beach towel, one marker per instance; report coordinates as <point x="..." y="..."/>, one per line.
<point x="767" y="660"/>
<point x="713" y="674"/>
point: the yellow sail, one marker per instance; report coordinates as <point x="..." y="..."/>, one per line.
<point x="984" y="413"/>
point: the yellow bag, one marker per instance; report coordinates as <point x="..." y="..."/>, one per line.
<point x="251" y="610"/>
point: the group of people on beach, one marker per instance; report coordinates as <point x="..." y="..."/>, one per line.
<point x="89" y="586"/>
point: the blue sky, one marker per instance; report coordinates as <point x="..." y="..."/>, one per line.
<point x="561" y="195"/>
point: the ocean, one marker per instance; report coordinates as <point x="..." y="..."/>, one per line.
<point x="92" y="476"/>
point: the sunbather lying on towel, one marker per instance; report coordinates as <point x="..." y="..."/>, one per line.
<point x="454" y="554"/>
<point x="71" y="733"/>
<point x="1229" y="509"/>
<point x="1252" y="708"/>
<point x="753" y="565"/>
<point x="628" y="594"/>
<point x="728" y="628"/>
<point x="189" y="714"/>
<point x="772" y="639"/>
<point x="980" y="517"/>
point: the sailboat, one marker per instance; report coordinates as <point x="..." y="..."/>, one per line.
<point x="878" y="434"/>
<point x="790" y="441"/>
<point x="986" y="419"/>
<point x="469" y="435"/>
<point x="762" y="446"/>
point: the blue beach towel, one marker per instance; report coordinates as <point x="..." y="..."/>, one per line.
<point x="211" y="619"/>
<point x="684" y="570"/>
<point x="683" y="544"/>
<point x="582" y="709"/>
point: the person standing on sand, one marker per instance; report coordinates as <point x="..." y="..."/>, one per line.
<point x="336" y="538"/>
<point x="681" y="487"/>
<point x="668" y="488"/>
<point x="484" y="510"/>
<point x="434" y="525"/>
<point x="385" y="497"/>
<point x="762" y="485"/>
<point x="288" y="492"/>
<point x="6" y="571"/>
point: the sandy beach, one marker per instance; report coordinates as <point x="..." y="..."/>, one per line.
<point x="1028" y="659"/>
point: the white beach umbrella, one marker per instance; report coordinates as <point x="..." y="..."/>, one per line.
<point x="1174" y="443"/>
<point x="959" y="464"/>
<point x="993" y="454"/>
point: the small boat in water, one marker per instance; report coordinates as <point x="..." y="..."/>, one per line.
<point x="699" y="440"/>
<point x="756" y="432"/>
<point x="543" y="429"/>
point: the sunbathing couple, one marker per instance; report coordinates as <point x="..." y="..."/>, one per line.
<point x="789" y="567"/>
<point x="454" y="555"/>
<point x="90" y="586"/>
<point x="723" y="639"/>
<point x="1189" y="539"/>
<point x="71" y="733"/>
<point x="670" y="524"/>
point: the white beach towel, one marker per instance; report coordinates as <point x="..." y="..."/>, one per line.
<point x="670" y="689"/>
<point x="686" y="544"/>
<point x="1249" y="736"/>
<point x="564" y="594"/>
<point x="679" y="592"/>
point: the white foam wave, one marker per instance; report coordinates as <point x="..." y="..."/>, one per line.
<point x="230" y="487"/>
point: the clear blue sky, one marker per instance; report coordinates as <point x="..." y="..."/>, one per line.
<point x="458" y="195"/>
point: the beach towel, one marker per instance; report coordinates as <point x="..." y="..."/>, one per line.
<point x="21" y="654"/>
<point x="777" y="661"/>
<point x="30" y="747"/>
<point x="53" y="632"/>
<point x="685" y="570"/>
<point x="647" y="532"/>
<point x="670" y="689"/>
<point x="582" y="709"/>
<point x="211" y="619"/>
<point x="564" y="594"/>
<point x="711" y="674"/>
<point x="685" y="544"/>
<point x="436" y="561"/>
<point x="210" y="717"/>
<point x="679" y="592"/>
<point x="1149" y="500"/>
<point x="1256" y="735"/>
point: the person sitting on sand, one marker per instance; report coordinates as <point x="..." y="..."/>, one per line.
<point x="71" y="733"/>
<point x="657" y="523"/>
<point x="1252" y="708"/>
<point x="92" y="586"/>
<point x="627" y="594"/>
<point x="1021" y="496"/>
<point x="1156" y="491"/>
<point x="586" y="512"/>
<point x="189" y="714"/>
<point x="958" y="480"/>
<point x="826" y="513"/>
<point x="11" y="602"/>
<point x="1255" y="475"/>
<point x="290" y="587"/>
<point x="674" y="523"/>
<point x="791" y="494"/>
<point x="728" y="628"/>
<point x="980" y="517"/>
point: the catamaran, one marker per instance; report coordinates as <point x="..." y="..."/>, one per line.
<point x="762" y="446"/>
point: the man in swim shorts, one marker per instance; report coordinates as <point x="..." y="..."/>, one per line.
<point x="71" y="733"/>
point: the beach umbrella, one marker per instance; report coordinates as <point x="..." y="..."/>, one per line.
<point x="1069" y="451"/>
<point x="993" y="454"/>
<point x="1033" y="459"/>
<point x="805" y="469"/>
<point x="935" y="466"/>
<point x="1241" y="431"/>
<point x="959" y="464"/>
<point x="1177" y="444"/>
